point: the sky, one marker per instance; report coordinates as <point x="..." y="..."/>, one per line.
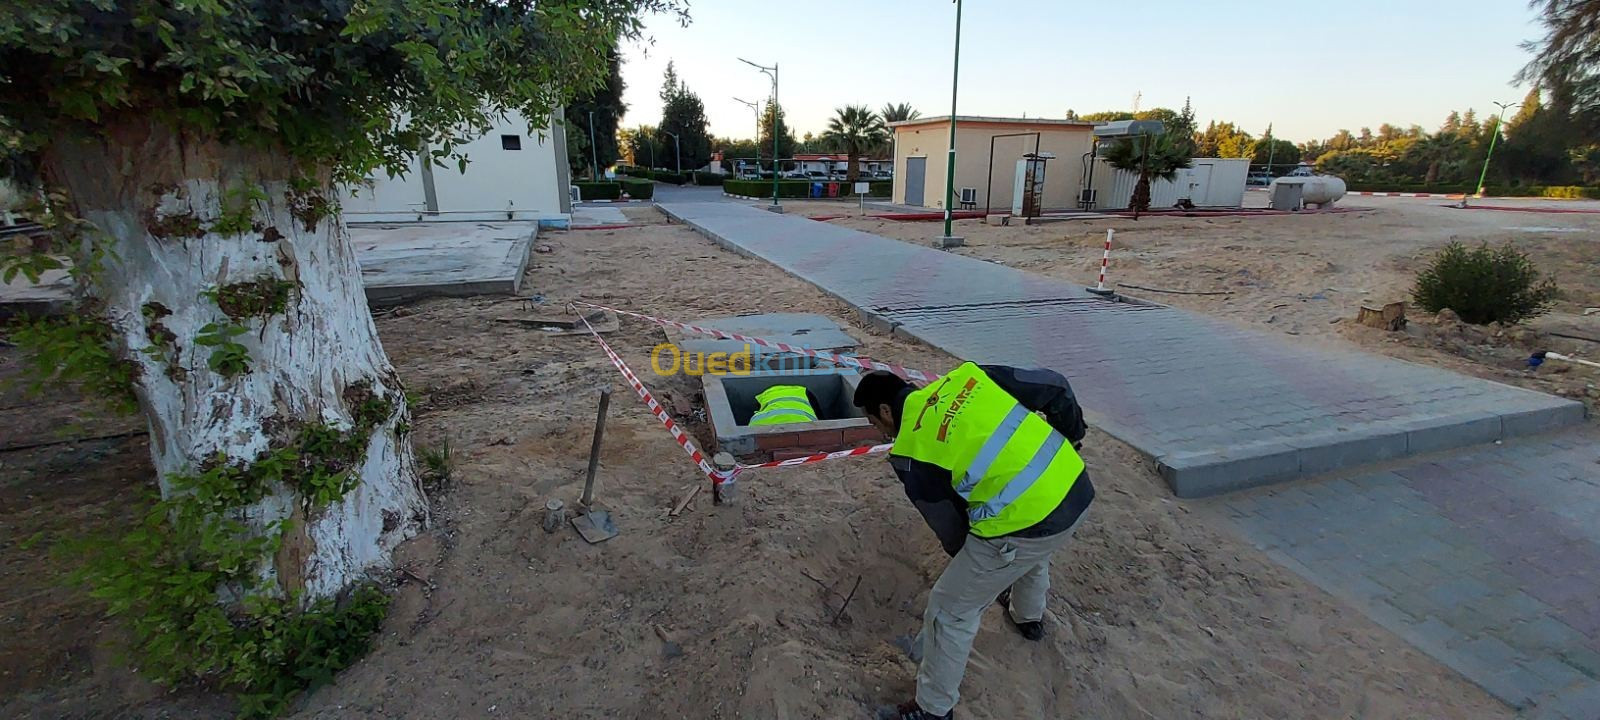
<point x="1308" y="68"/>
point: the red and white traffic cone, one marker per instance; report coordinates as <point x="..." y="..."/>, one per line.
<point x="1105" y="262"/>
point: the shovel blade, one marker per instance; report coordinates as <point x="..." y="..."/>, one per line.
<point x="595" y="526"/>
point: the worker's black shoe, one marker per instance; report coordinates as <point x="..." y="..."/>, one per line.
<point x="913" y="711"/>
<point x="1030" y="630"/>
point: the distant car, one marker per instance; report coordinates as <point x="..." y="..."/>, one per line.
<point x="1258" y="178"/>
<point x="815" y="174"/>
<point x="1303" y="171"/>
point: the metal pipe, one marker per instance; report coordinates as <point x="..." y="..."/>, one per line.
<point x="594" y="449"/>
<point x="1088" y="183"/>
<point x="989" y="185"/>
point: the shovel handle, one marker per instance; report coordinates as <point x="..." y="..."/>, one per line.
<point x="594" y="449"/>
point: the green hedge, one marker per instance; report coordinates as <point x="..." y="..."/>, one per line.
<point x="1571" y="192"/>
<point x="1446" y="188"/>
<point x="666" y="176"/>
<point x="1547" y="191"/>
<point x="599" y="190"/>
<point x="800" y="188"/>
<point x="708" y="178"/>
<point x="639" y="189"/>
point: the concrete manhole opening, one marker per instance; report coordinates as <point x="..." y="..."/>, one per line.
<point x="731" y="400"/>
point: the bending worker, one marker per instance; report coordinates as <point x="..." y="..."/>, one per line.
<point x="784" y="404"/>
<point x="1001" y="487"/>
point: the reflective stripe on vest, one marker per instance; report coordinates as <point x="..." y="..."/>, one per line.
<point x="783" y="404"/>
<point x="1009" y="465"/>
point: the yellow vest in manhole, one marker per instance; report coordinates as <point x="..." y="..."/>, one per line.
<point x="783" y="404"/>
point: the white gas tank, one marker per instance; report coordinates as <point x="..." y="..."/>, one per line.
<point x="1322" y="190"/>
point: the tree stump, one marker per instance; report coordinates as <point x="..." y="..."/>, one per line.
<point x="1390" y="317"/>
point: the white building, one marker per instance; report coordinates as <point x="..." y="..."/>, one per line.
<point x="512" y="173"/>
<point x="1210" y="182"/>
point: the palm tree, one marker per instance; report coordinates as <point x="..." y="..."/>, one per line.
<point x="896" y="112"/>
<point x="855" y="129"/>
<point x="1151" y="156"/>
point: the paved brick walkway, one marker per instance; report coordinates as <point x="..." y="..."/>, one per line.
<point x="1217" y="405"/>
<point x="1487" y="559"/>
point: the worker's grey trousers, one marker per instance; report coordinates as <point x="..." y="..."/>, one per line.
<point x="973" y="579"/>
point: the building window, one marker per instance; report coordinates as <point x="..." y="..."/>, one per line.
<point x="510" y="142"/>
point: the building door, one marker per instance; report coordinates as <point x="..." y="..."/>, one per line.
<point x="1199" y="184"/>
<point x="916" y="174"/>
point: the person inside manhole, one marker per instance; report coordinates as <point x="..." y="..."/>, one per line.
<point x="989" y="455"/>
<point x="781" y="404"/>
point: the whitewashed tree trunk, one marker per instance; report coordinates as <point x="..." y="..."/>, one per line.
<point x="141" y="185"/>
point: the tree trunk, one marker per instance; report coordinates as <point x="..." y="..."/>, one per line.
<point x="850" y="172"/>
<point x="185" y="216"/>
<point x="1140" y="200"/>
<point x="1433" y="173"/>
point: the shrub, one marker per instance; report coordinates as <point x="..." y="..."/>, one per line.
<point x="639" y="189"/>
<point x="599" y="190"/>
<point x="708" y="178"/>
<point x="800" y="188"/>
<point x="1484" y="285"/>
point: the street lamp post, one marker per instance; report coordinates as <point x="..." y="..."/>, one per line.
<point x="755" y="107"/>
<point x="594" y="151"/>
<point x="1492" y="138"/>
<point x="677" y="151"/>
<point x="950" y="159"/>
<point x="771" y="72"/>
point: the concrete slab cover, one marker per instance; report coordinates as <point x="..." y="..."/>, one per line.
<point x="583" y="216"/>
<point x="810" y="330"/>
<point x="1219" y="406"/>
<point x="403" y="262"/>
<point x="1487" y="559"/>
<point x="51" y="293"/>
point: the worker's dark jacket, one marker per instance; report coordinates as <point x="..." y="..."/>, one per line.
<point x="932" y="490"/>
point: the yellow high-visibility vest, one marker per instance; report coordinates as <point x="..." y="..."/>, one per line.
<point x="1011" y="467"/>
<point x="783" y="404"/>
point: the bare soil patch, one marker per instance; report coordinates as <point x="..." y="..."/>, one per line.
<point x="721" y="612"/>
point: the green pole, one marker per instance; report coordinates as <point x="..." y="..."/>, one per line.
<point x="1492" y="138"/>
<point x="950" y="159"/>
<point x="775" y="134"/>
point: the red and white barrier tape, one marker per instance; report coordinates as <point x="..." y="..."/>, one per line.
<point x="718" y="477"/>
<point x="853" y="361"/>
<point x="1365" y="193"/>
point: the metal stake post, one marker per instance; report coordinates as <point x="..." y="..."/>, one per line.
<point x="594" y="449"/>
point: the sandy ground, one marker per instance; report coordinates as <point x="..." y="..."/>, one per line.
<point x="1307" y="275"/>
<point x="722" y="612"/>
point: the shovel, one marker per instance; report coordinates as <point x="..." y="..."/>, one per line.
<point x="594" y="524"/>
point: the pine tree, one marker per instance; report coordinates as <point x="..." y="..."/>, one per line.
<point x="683" y="114"/>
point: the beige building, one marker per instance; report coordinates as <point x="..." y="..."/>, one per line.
<point x="922" y="145"/>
